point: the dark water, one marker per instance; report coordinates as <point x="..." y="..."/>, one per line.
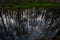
<point x="30" y="24"/>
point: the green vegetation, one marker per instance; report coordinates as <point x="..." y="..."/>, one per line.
<point x="30" y="4"/>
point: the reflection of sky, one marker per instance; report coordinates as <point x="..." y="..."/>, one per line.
<point x="35" y="28"/>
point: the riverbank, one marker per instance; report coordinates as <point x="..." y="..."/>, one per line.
<point x="30" y="5"/>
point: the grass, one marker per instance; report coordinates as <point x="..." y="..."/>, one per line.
<point x="29" y="5"/>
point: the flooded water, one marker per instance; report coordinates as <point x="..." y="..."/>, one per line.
<point x="30" y="24"/>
